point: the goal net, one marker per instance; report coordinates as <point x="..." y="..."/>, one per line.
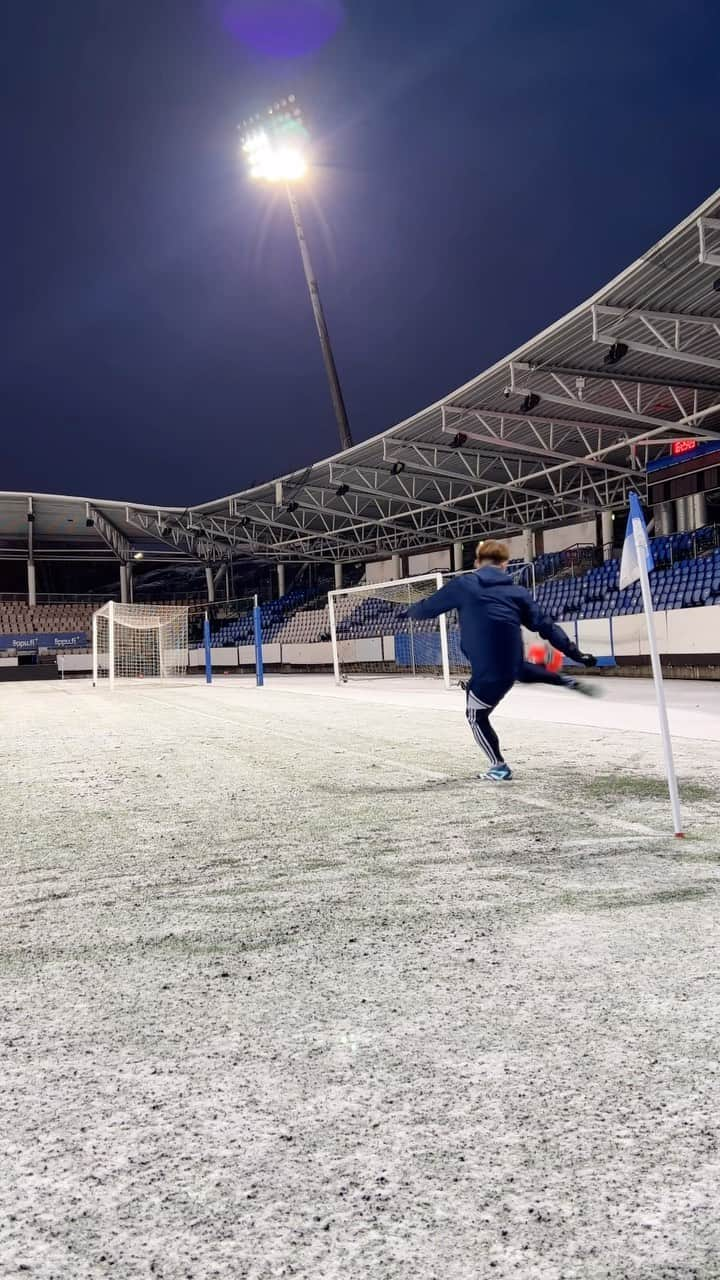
<point x="372" y="636"/>
<point x="139" y="642"/>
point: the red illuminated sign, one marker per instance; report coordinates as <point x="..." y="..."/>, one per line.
<point x="682" y="446"/>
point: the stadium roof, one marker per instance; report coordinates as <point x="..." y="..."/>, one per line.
<point x="555" y="432"/>
<point x="57" y="527"/>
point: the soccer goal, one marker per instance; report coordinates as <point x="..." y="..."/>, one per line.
<point x="139" y="641"/>
<point x="372" y="636"/>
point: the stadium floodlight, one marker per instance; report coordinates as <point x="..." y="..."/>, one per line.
<point x="275" y="146"/>
<point x="616" y="353"/>
<point x="276" y="153"/>
<point x="529" y="403"/>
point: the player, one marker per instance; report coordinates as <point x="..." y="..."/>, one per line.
<point x="492" y="610"/>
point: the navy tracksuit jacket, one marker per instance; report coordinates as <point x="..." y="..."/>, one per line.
<point x="492" y="610"/>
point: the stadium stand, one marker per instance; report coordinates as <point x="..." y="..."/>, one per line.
<point x="683" y="583"/>
<point x="687" y="575"/>
<point x="677" y="583"/>
<point x="274" y="615"/>
<point x="24" y="619"/>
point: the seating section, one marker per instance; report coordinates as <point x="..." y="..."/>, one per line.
<point x="274" y="614"/>
<point x="684" y="584"/>
<point x="552" y="563"/>
<point x="684" y="546"/>
<point x="304" y="627"/>
<point x="374" y="617"/>
<point x="25" y="619"/>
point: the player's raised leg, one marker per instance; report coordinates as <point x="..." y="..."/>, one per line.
<point x="537" y="673"/>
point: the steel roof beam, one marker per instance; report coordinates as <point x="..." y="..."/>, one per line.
<point x="534" y="451"/>
<point x="630" y="414"/>
<point x="152" y="523"/>
<point x="618" y="374"/>
<point x="707" y="228"/>
<point x="111" y="536"/>
<point x="669" y="331"/>
<point x="520" y="482"/>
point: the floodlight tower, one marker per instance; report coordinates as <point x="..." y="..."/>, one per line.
<point x="275" y="146"/>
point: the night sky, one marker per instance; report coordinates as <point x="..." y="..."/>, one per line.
<point x="481" y="167"/>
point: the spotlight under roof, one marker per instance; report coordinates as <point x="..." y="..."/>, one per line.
<point x="616" y="353"/>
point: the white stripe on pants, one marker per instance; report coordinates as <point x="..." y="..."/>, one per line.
<point x="475" y="706"/>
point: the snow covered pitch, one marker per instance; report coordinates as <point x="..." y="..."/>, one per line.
<point x="286" y="992"/>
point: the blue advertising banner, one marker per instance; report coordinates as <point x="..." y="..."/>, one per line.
<point x="56" y="640"/>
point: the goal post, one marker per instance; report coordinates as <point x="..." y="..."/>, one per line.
<point x="139" y="642"/>
<point x="371" y="634"/>
<point x="227" y="634"/>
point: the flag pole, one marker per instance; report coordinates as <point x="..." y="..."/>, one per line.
<point x="640" y="539"/>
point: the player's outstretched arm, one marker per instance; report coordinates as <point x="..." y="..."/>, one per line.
<point x="441" y="601"/>
<point x="535" y="620"/>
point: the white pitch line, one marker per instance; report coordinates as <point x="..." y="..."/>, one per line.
<point x="589" y="840"/>
<point x="600" y="819"/>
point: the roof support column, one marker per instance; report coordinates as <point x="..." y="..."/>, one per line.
<point x="397" y="568"/>
<point x="528" y="546"/>
<point x="663" y="512"/>
<point x="457" y="557"/>
<point x="281" y="580"/>
<point x="124" y="597"/>
<point x="210" y="584"/>
<point x="32" y="592"/>
<point x="682" y="515"/>
<point x="698" y="504"/>
<point x="607" y="525"/>
<point x="338" y="575"/>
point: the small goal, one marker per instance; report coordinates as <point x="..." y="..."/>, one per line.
<point x="139" y="642"/>
<point x="370" y="635"/>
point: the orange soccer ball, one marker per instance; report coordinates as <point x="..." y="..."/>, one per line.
<point x="545" y="656"/>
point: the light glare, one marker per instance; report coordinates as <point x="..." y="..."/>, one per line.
<point x="273" y="162"/>
<point x="276" y="151"/>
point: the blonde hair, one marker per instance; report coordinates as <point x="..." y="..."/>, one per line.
<point x="495" y="552"/>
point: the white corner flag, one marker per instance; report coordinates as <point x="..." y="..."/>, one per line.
<point x="636" y="565"/>
<point x="635" y="546"/>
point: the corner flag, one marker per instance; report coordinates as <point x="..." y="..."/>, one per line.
<point x="635" y="545"/>
<point x="636" y="565"/>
